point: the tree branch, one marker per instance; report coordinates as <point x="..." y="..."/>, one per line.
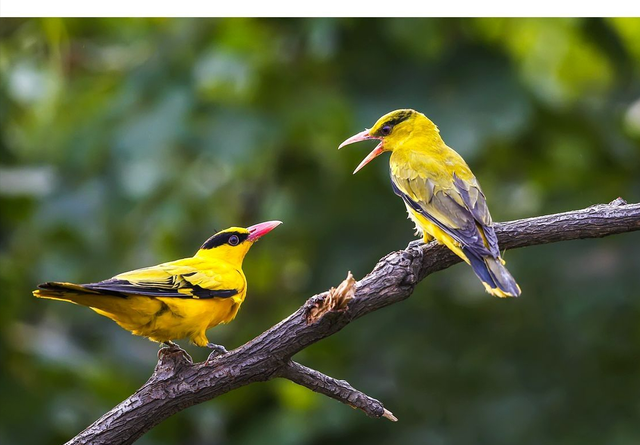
<point x="336" y="389"/>
<point x="177" y="383"/>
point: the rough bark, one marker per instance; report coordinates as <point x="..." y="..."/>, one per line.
<point x="177" y="383"/>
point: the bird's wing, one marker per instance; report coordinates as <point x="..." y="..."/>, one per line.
<point x="476" y="203"/>
<point x="188" y="278"/>
<point x="457" y="207"/>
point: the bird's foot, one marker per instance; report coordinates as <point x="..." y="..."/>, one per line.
<point x="169" y="345"/>
<point x="216" y="351"/>
<point x="415" y="243"/>
<point x="169" y="350"/>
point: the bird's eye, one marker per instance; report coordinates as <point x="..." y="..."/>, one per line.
<point x="385" y="130"/>
<point x="234" y="240"/>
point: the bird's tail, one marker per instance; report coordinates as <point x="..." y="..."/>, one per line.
<point x="496" y="278"/>
<point x="113" y="306"/>
<point x="73" y="293"/>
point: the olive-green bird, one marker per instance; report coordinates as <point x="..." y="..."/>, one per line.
<point x="441" y="194"/>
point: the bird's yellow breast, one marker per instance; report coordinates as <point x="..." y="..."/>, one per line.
<point x="437" y="162"/>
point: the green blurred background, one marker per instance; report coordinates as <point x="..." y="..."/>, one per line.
<point x="128" y="142"/>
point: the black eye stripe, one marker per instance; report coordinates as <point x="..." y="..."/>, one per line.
<point x="223" y="238"/>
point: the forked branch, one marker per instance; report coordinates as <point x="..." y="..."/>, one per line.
<point x="177" y="383"/>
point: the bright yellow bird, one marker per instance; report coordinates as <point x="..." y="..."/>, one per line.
<point x="441" y="194"/>
<point x="179" y="299"/>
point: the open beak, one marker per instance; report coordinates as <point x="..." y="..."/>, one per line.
<point x="259" y="230"/>
<point x="364" y="136"/>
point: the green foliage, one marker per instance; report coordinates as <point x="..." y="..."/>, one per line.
<point x="128" y="142"/>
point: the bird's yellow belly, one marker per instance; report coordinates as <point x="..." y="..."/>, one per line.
<point x="164" y="319"/>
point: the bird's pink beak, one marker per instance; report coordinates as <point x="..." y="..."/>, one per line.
<point x="259" y="230"/>
<point x="364" y="136"/>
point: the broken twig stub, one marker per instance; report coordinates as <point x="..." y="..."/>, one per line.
<point x="336" y="300"/>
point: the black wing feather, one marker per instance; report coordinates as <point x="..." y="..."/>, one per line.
<point x="124" y="287"/>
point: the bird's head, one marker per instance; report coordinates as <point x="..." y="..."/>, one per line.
<point x="392" y="130"/>
<point x="232" y="244"/>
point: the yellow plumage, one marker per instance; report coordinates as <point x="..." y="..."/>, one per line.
<point x="441" y="194"/>
<point x="179" y="299"/>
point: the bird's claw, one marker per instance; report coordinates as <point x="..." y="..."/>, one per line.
<point x="169" y="345"/>
<point x="216" y="351"/>
<point x="415" y="243"/>
<point x="170" y="348"/>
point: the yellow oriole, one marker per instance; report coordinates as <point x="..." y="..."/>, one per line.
<point x="441" y="194"/>
<point x="179" y="299"/>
